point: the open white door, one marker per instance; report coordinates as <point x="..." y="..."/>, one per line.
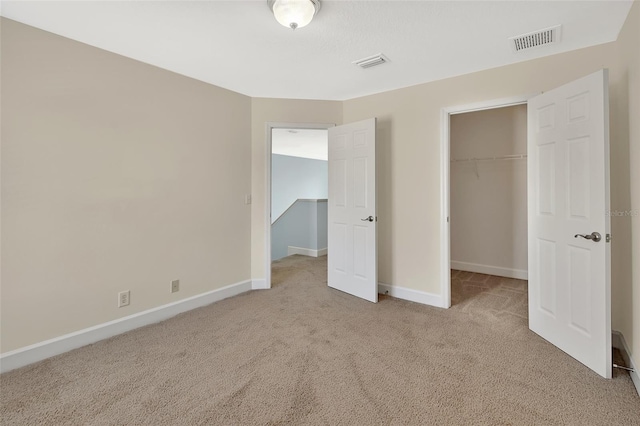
<point x="352" y="251"/>
<point x="569" y="225"/>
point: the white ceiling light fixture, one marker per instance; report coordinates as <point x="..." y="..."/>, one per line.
<point x="294" y="13"/>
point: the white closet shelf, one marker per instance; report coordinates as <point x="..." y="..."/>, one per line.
<point x="500" y="158"/>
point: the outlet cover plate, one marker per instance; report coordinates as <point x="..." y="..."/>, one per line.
<point x="124" y="298"/>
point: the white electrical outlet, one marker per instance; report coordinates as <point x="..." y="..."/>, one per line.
<point x="247" y="199"/>
<point x="175" y="286"/>
<point x="123" y="298"/>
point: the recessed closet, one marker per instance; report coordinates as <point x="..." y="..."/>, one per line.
<point x="488" y="196"/>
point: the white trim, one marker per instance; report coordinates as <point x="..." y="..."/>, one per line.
<point x="259" y="284"/>
<point x="445" y="234"/>
<point x="618" y="342"/>
<point x="267" y="201"/>
<point x="490" y="104"/>
<point x="521" y="274"/>
<point x="305" y="251"/>
<point x="445" y="227"/>
<point x="411" y="295"/>
<point x="52" y="347"/>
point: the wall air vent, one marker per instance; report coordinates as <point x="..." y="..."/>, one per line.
<point x="371" y="61"/>
<point x="536" y="39"/>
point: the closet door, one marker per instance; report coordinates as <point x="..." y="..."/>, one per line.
<point x="569" y="225"/>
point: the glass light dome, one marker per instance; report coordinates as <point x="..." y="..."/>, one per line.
<point x="294" y="13"/>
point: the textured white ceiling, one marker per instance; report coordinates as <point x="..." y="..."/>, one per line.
<point x="305" y="143"/>
<point x="239" y="45"/>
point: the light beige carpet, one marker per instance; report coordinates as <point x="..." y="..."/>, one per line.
<point x="302" y="353"/>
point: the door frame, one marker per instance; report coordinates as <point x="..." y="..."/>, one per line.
<point x="269" y="126"/>
<point x="445" y="179"/>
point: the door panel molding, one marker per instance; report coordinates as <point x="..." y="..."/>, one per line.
<point x="353" y="262"/>
<point x="568" y="192"/>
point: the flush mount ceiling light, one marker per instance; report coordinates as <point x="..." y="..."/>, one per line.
<point x="294" y="13"/>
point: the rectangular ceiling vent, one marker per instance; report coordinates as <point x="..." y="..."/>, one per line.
<point x="371" y="61"/>
<point x="536" y="39"/>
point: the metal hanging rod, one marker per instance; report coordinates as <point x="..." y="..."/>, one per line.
<point x="499" y="158"/>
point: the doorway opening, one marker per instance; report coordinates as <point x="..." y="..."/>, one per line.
<point x="488" y="213"/>
<point x="296" y="199"/>
<point x="484" y="160"/>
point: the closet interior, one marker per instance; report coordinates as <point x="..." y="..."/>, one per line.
<point x="488" y="199"/>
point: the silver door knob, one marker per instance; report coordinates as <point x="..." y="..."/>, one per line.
<point x="594" y="236"/>
<point x="367" y="219"/>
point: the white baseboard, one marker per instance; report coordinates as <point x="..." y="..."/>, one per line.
<point x="520" y="274"/>
<point x="618" y="342"/>
<point x="306" y="252"/>
<point x="411" y="295"/>
<point x="259" y="284"/>
<point x="43" y="350"/>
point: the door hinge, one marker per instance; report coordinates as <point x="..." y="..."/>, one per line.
<point x="608" y="238"/>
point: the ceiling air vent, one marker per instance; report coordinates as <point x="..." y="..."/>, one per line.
<point x="537" y="38"/>
<point x="371" y="61"/>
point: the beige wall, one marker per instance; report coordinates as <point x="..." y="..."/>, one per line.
<point x="116" y="175"/>
<point x="276" y="110"/>
<point x="625" y="190"/>
<point x="489" y="209"/>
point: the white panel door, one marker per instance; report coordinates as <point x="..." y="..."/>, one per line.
<point x="568" y="197"/>
<point x="352" y="251"/>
